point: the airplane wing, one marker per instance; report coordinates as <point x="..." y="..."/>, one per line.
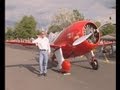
<point x="56" y="47"/>
<point x="30" y="43"/>
<point x="19" y="42"/>
<point x="106" y="43"/>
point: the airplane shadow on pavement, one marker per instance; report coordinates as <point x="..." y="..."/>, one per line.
<point x="34" y="68"/>
<point x="78" y="63"/>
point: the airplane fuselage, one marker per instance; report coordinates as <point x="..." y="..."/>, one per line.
<point x="73" y="32"/>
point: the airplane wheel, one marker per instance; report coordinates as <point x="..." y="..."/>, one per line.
<point x="94" y="64"/>
<point x="66" y="66"/>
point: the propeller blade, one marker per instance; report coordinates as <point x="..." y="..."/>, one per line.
<point x="81" y="39"/>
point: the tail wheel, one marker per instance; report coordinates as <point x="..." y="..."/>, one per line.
<point x="94" y="64"/>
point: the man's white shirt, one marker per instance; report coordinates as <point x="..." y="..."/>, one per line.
<point x="42" y="43"/>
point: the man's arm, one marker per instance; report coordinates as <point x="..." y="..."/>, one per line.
<point x="49" y="49"/>
<point x="35" y="41"/>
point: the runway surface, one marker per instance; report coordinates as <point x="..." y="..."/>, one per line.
<point x="21" y="73"/>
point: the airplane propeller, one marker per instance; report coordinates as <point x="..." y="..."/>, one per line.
<point x="81" y="39"/>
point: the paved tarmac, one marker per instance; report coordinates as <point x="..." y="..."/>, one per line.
<point x="21" y="73"/>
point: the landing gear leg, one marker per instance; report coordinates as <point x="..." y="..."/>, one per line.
<point x="94" y="63"/>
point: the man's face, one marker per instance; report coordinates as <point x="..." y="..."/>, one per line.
<point x="43" y="34"/>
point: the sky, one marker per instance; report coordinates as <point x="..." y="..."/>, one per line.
<point x="44" y="10"/>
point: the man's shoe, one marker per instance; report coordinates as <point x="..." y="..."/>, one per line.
<point x="45" y="74"/>
<point x="40" y="74"/>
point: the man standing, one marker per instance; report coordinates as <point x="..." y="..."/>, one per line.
<point x="44" y="46"/>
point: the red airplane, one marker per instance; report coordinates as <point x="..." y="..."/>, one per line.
<point x="80" y="38"/>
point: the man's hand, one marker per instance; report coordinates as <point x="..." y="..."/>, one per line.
<point x="36" y="44"/>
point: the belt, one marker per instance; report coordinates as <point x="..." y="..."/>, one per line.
<point x="43" y="50"/>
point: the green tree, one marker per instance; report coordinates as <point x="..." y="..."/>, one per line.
<point x="64" y="18"/>
<point x="97" y="23"/>
<point x="25" y="28"/>
<point x="54" y="28"/>
<point x="108" y="29"/>
<point x="77" y="15"/>
<point x="9" y="33"/>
